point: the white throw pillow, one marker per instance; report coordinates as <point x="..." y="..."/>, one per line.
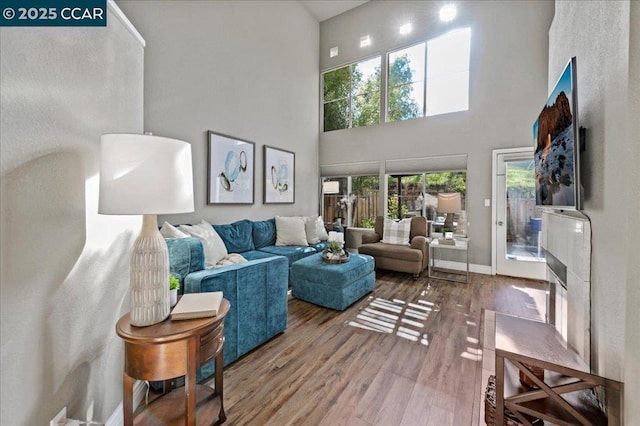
<point x="214" y="248"/>
<point x="170" y="231"/>
<point x="396" y="232"/>
<point x="290" y="231"/>
<point x="311" y="229"/>
<point x="322" y="231"/>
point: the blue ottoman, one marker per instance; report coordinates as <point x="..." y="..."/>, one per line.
<point x="334" y="286"/>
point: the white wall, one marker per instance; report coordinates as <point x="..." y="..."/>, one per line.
<point x="508" y="85"/>
<point x="598" y="34"/>
<point x="65" y="269"/>
<point x="243" y="68"/>
<point x="632" y="339"/>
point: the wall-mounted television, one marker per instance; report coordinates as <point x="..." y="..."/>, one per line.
<point x="557" y="148"/>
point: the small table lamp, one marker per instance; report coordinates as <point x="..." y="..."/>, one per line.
<point x="147" y="175"/>
<point x="331" y="187"/>
<point x="449" y="203"/>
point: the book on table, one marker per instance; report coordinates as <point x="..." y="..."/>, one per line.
<point x="197" y="305"/>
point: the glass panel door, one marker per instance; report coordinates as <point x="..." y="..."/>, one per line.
<point x="524" y="219"/>
<point x="518" y="220"/>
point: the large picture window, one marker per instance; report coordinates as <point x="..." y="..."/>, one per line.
<point x="417" y="195"/>
<point x="355" y="202"/>
<point x="351" y="95"/>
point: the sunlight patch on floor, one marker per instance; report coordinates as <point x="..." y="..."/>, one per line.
<point x="404" y="318"/>
<point x="537" y="300"/>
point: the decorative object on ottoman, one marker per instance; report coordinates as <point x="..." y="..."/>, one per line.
<point x="334" y="286"/>
<point x="490" y="408"/>
<point x="331" y="257"/>
<point x="335" y="252"/>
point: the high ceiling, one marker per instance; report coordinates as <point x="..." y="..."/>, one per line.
<point x="325" y="9"/>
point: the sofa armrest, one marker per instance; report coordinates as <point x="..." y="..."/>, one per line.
<point x="257" y="291"/>
<point x="186" y="256"/>
<point x="370" y="237"/>
<point x="421" y="243"/>
<point x="228" y="277"/>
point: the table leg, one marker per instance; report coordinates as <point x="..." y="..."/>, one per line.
<point x="499" y="390"/>
<point x="467" y="253"/>
<point x="190" y="382"/>
<point x="219" y="385"/>
<point x="127" y="399"/>
<point x="431" y="261"/>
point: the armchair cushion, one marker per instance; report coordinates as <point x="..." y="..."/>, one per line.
<point x="396" y="232"/>
<point x="392" y="251"/>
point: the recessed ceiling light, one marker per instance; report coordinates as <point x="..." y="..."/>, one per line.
<point x="448" y="12"/>
<point x="406" y="28"/>
<point x="365" y="41"/>
<point x="333" y="51"/>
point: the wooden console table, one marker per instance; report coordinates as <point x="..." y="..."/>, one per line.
<point x="172" y="349"/>
<point x="564" y="396"/>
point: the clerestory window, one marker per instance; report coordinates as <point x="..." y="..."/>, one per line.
<point x="351" y="95"/>
<point x="429" y="78"/>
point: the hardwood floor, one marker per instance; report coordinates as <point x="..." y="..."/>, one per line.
<point x="407" y="354"/>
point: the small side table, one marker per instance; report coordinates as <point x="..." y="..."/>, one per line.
<point x="564" y="396"/>
<point x="172" y="349"/>
<point x="459" y="244"/>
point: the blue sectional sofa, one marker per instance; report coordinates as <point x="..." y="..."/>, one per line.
<point x="256" y="289"/>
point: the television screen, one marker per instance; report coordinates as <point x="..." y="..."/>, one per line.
<point x="555" y="135"/>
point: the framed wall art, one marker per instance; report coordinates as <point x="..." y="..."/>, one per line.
<point x="279" y="176"/>
<point x="231" y="170"/>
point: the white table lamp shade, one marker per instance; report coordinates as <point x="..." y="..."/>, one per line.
<point x="449" y="203"/>
<point x="143" y="174"/>
<point x="148" y="175"/>
<point x="332" y="187"/>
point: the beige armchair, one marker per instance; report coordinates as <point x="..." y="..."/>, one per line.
<point x="413" y="258"/>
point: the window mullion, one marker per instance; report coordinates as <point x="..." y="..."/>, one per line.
<point x="424" y="76"/>
<point x="350" y="96"/>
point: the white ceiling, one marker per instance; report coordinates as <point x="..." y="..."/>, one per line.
<point x="325" y="9"/>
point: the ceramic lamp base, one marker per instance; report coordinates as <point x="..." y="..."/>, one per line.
<point x="149" y="276"/>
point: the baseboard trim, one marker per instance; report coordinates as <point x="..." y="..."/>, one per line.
<point x="139" y="392"/>
<point x="459" y="266"/>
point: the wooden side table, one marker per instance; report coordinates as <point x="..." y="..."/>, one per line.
<point x="564" y="396"/>
<point x="172" y="349"/>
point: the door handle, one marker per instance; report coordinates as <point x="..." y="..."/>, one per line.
<point x="500" y="223"/>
